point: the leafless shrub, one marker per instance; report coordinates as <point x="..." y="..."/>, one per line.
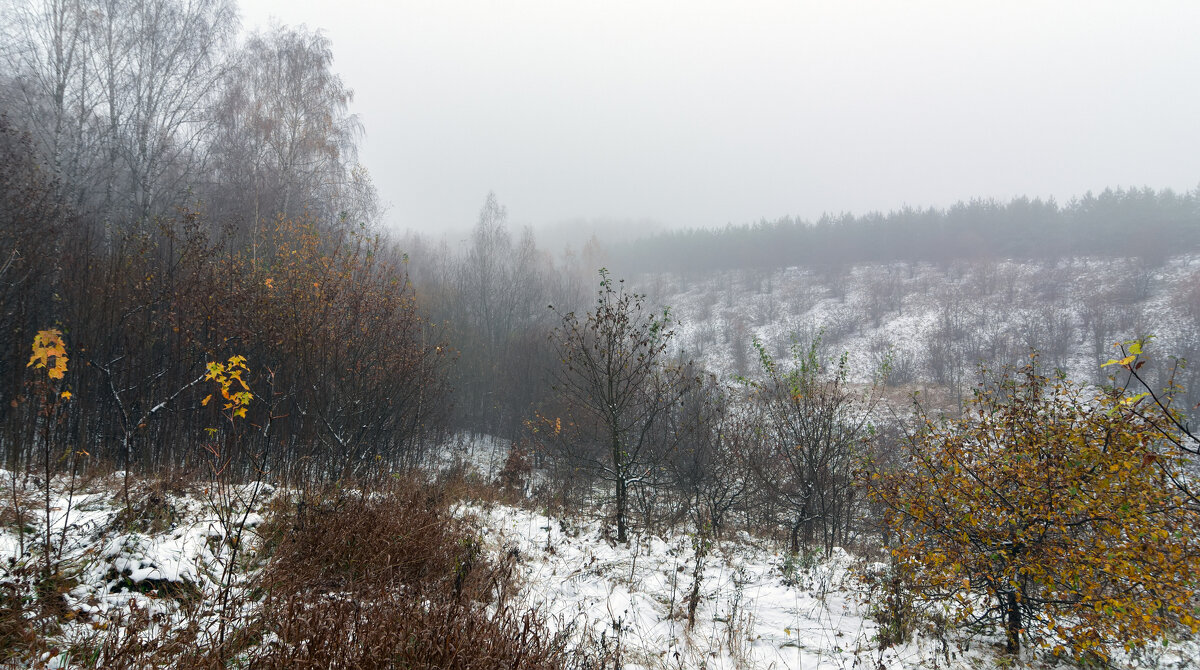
<point x="897" y="364"/>
<point x="882" y="294"/>
<point x="19" y="616"/>
<point x="841" y="323"/>
<point x="1186" y="298"/>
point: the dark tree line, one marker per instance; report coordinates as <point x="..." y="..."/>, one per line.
<point x="1117" y="222"/>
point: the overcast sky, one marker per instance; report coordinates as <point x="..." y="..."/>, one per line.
<point x="702" y="113"/>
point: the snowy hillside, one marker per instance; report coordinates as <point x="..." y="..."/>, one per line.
<point x="937" y="322"/>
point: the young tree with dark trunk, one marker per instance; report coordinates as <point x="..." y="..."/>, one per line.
<point x="814" y="427"/>
<point x="617" y="387"/>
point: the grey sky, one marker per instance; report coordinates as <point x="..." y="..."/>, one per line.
<point x="704" y="112"/>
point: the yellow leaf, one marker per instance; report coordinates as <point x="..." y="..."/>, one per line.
<point x="204" y="403"/>
<point x="49" y="344"/>
<point x="1129" y="400"/>
<point x="1124" y="362"/>
<point x="59" y="369"/>
<point x="66" y="395"/>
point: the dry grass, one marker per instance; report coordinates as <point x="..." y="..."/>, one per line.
<point x="390" y="580"/>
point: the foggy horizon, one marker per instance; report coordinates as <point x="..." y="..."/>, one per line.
<point x="703" y="114"/>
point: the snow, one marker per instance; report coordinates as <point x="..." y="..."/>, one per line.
<point x="719" y="313"/>
<point x="748" y="616"/>
<point x="122" y="567"/>
<point x="173" y="558"/>
<point x="480" y="454"/>
<point x="757" y="607"/>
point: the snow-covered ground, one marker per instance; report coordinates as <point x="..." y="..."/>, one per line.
<point x="999" y="310"/>
<point x="756" y="610"/>
<point x="480" y="455"/>
<point x="750" y="615"/>
<point x="167" y="562"/>
<point x="756" y="607"/>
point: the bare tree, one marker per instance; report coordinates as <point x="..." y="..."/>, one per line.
<point x="117" y="93"/>
<point x="54" y="87"/>
<point x="815" y="425"/>
<point x="618" y="387"/>
<point x="284" y="141"/>
<point x="712" y="429"/>
<point x="484" y="271"/>
<point x="945" y="346"/>
<point x="172" y="70"/>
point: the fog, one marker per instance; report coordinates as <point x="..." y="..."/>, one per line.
<point x="701" y="113"/>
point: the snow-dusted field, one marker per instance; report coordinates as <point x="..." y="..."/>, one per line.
<point x="749" y="615"/>
<point x="756" y="608"/>
<point x="167" y="566"/>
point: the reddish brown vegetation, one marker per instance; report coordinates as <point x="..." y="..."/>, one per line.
<point x="392" y="581"/>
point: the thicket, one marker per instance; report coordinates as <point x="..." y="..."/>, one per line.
<point x="345" y="369"/>
<point x="169" y="198"/>
<point x="492" y="295"/>
<point x="399" y="582"/>
<point x="815" y="439"/>
<point x="651" y="440"/>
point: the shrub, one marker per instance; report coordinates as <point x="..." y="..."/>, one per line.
<point x="389" y="581"/>
<point x="1050" y="513"/>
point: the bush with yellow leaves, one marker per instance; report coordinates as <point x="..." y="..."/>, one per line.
<point x="1045" y="512"/>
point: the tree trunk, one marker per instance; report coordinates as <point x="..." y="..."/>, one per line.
<point x="701" y="545"/>
<point x="794" y="536"/>
<point x="1012" y="624"/>
<point x="619" y="468"/>
<point x="621" y="493"/>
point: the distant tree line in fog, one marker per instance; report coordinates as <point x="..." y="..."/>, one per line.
<point x="1144" y="222"/>
<point x="491" y="297"/>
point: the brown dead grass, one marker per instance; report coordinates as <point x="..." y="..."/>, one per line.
<point x="391" y="580"/>
<point x="385" y="578"/>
